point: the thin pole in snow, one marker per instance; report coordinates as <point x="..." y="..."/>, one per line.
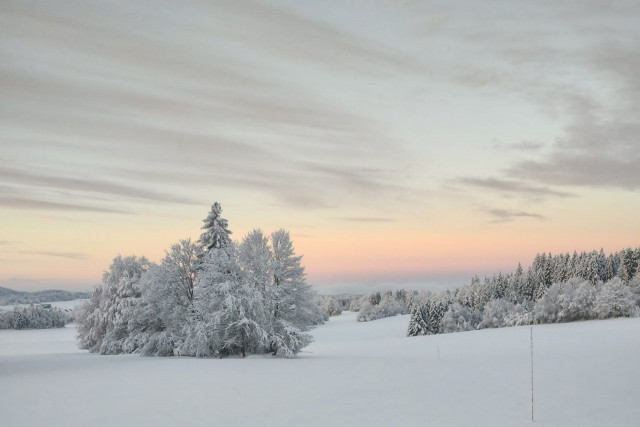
<point x="531" y="334"/>
<point x="438" y="345"/>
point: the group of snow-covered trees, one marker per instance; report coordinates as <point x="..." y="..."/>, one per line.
<point x="560" y="288"/>
<point x="377" y="305"/>
<point x="334" y="305"/>
<point x="210" y="298"/>
<point x="34" y="316"/>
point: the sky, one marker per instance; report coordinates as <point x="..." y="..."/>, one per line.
<point x="402" y="143"/>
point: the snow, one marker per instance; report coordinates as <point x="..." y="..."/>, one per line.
<point x="64" y="305"/>
<point x="355" y="374"/>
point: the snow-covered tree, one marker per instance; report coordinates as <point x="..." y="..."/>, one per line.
<point x="584" y="299"/>
<point x="231" y="315"/>
<point x="556" y="305"/>
<point x="119" y="290"/>
<point x="387" y="307"/>
<point x="426" y="313"/>
<point x="418" y="317"/>
<point x="34" y="316"/>
<point x="179" y="268"/>
<point x="254" y="256"/>
<point x="519" y="315"/>
<point x="615" y="300"/>
<point x="216" y="230"/>
<point x="495" y="312"/>
<point x="460" y="318"/>
<point x="291" y="300"/>
<point x="329" y="305"/>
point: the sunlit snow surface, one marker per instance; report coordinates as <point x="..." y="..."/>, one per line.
<point x="354" y="374"/>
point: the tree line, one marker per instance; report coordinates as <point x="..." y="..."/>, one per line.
<point x="555" y="288"/>
<point x="34" y="316"/>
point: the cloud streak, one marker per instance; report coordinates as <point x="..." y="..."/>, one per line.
<point x="68" y="255"/>
<point x="27" y="179"/>
<point x="25" y="203"/>
<point x="510" y="187"/>
<point x="367" y="219"/>
<point x="504" y="215"/>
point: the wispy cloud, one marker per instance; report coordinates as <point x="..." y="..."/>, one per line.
<point x="597" y="149"/>
<point x="519" y="146"/>
<point x="598" y="108"/>
<point x="367" y="219"/>
<point x="28" y="179"/>
<point x="503" y="215"/>
<point x="510" y="187"/>
<point x="22" y="203"/>
<point x="69" y="255"/>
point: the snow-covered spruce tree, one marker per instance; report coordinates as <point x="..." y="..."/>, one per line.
<point x="216" y="230"/>
<point x="426" y="313"/>
<point x="119" y="290"/>
<point x="19" y="321"/>
<point x="230" y="312"/>
<point x="514" y="285"/>
<point x="418" y="317"/>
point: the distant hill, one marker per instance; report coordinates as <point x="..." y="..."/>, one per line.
<point x="9" y="296"/>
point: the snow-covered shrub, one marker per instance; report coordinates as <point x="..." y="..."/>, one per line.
<point x="556" y="305"/>
<point x="495" y="312"/>
<point x="521" y="314"/>
<point x="356" y="303"/>
<point x="161" y="344"/>
<point x="199" y="340"/>
<point x="615" y="300"/>
<point x="584" y="300"/>
<point x="459" y="318"/>
<point x="330" y="306"/>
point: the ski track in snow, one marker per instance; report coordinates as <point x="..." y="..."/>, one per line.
<point x="354" y="374"/>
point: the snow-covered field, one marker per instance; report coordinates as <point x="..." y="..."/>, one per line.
<point x="354" y="374"/>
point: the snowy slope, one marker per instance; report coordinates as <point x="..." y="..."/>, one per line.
<point x="355" y="374"/>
